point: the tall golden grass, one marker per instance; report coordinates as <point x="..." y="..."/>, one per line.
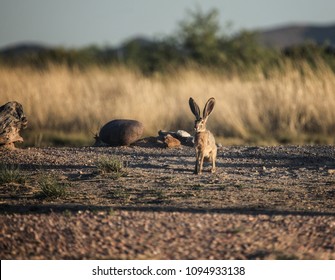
<point x="294" y="104"/>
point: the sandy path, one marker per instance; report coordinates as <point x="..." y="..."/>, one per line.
<point x="263" y="203"/>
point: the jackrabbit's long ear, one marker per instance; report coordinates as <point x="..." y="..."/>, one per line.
<point x="209" y="107"/>
<point x="194" y="108"/>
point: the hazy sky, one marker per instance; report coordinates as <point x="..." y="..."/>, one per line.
<point x="75" y="23"/>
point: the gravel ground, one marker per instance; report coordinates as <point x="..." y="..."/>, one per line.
<point x="263" y="203"/>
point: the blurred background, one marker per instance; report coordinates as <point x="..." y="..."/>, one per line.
<point x="74" y="65"/>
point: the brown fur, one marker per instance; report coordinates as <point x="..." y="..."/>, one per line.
<point x="204" y="140"/>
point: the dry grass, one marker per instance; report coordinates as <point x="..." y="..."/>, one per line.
<point x="295" y="105"/>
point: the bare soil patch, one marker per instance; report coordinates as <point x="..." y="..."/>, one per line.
<point x="262" y="203"/>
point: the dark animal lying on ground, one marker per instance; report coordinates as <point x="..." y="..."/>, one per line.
<point x="119" y="133"/>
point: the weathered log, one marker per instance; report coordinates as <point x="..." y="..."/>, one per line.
<point x="12" y="120"/>
<point x="119" y="133"/>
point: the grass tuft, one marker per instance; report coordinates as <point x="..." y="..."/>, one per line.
<point x="11" y="174"/>
<point x="52" y="188"/>
<point x="111" y="165"/>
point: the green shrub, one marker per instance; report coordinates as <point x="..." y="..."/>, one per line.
<point x="111" y="165"/>
<point x="11" y="174"/>
<point x="52" y="188"/>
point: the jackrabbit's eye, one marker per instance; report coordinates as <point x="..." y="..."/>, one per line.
<point x="199" y="124"/>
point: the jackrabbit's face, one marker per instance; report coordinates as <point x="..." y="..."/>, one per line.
<point x="200" y="125"/>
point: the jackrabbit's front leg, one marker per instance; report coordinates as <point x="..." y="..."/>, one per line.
<point x="213" y="162"/>
<point x="196" y="166"/>
<point x="198" y="162"/>
<point x="201" y="162"/>
<point x="213" y="166"/>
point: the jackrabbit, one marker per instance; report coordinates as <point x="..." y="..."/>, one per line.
<point x="204" y="140"/>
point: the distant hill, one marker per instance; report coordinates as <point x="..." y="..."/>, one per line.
<point x="291" y="35"/>
<point x="23" y="48"/>
<point x="279" y="37"/>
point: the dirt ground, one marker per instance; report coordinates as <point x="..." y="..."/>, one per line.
<point x="262" y="203"/>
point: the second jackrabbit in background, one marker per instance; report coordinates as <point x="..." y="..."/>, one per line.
<point x="204" y="140"/>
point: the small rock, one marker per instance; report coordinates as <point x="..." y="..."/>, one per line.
<point x="183" y="134"/>
<point x="171" y="142"/>
<point x="150" y="142"/>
